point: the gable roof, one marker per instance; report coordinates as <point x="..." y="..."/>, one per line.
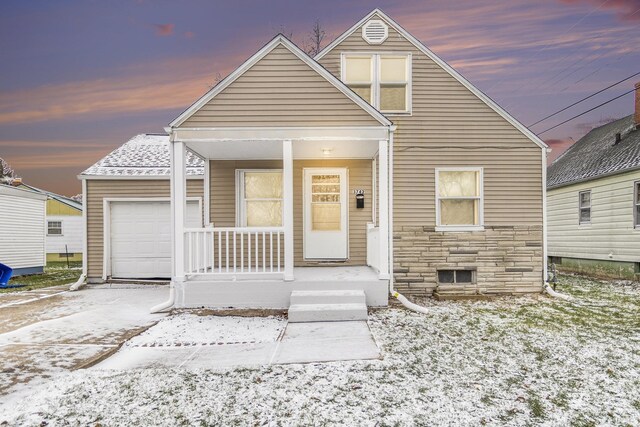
<point x="596" y="154"/>
<point x="280" y="40"/>
<point x="439" y="61"/>
<point x="143" y="155"/>
<point x="62" y="199"/>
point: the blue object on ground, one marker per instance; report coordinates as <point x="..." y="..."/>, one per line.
<point x="5" y="274"/>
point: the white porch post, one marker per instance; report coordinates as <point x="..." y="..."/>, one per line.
<point x="178" y="208"/>
<point x="383" y="211"/>
<point x="287" y="219"/>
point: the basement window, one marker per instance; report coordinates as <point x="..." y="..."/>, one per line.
<point x="54" y="228"/>
<point x="456" y="276"/>
<point x="584" y="200"/>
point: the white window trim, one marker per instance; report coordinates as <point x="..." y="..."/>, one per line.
<point x="462" y="228"/>
<point x="241" y="214"/>
<point x="375" y="77"/>
<point x="61" y="229"/>
<point x="586" y="223"/>
<point x="636" y="217"/>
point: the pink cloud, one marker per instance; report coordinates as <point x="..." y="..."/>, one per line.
<point x="558" y="146"/>
<point x="189" y="34"/>
<point x="626" y="10"/>
<point x="163" y="30"/>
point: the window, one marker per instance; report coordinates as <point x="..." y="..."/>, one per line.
<point x="383" y="80"/>
<point x="636" y="204"/>
<point x="54" y="228"/>
<point x="585" y="207"/>
<point x="456" y="276"/>
<point x="459" y="201"/>
<point x="259" y="198"/>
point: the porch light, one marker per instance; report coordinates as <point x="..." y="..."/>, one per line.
<point x="327" y="151"/>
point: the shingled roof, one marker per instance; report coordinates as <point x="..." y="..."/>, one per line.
<point x="596" y="154"/>
<point x="143" y="155"/>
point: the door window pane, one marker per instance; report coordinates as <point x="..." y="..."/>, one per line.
<point x="325" y="216"/>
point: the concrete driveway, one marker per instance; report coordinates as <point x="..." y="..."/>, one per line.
<point x="50" y="330"/>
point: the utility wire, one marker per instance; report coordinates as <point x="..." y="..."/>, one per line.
<point x="583" y="99"/>
<point x="585" y="112"/>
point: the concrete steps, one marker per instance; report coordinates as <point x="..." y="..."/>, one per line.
<point x="327" y="306"/>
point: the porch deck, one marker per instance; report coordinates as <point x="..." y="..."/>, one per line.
<point x="203" y="291"/>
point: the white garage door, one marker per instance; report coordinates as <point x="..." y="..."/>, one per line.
<point x="141" y="238"/>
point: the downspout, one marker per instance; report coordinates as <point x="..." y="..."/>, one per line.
<point x="81" y="280"/>
<point x="397" y="295"/>
<point x="168" y="303"/>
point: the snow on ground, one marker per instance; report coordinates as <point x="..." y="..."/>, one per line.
<point x="188" y="329"/>
<point x="525" y="361"/>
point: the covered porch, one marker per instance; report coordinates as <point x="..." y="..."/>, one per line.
<point x="327" y="226"/>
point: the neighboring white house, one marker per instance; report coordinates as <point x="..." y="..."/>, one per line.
<point x="65" y="231"/>
<point x="593" y="201"/>
<point x="22" y="230"/>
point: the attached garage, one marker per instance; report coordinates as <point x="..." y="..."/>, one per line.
<point x="140" y="237"/>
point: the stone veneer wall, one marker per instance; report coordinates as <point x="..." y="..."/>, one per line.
<point x="507" y="260"/>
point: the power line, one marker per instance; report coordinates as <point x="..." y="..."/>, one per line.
<point x="585" y="112"/>
<point x="583" y="99"/>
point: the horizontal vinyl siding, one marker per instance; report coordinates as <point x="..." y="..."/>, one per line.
<point x="280" y="90"/>
<point x="22" y="241"/>
<point x="223" y="199"/>
<point x="611" y="230"/>
<point x="450" y="126"/>
<point x="98" y="190"/>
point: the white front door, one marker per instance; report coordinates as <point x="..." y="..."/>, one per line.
<point x="325" y="213"/>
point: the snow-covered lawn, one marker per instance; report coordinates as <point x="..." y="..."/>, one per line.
<point x="525" y="361"/>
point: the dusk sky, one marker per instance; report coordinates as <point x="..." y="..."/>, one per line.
<point x="79" y="78"/>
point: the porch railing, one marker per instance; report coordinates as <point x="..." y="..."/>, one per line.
<point x="234" y="250"/>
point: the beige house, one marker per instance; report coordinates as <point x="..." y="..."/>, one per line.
<point x="594" y="201"/>
<point x="372" y="167"/>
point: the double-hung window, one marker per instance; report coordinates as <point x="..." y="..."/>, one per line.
<point x="54" y="228"/>
<point x="584" y="202"/>
<point x="259" y="198"/>
<point x="636" y="204"/>
<point x="383" y="80"/>
<point x="459" y="198"/>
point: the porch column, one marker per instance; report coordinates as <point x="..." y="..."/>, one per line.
<point x="287" y="218"/>
<point x="178" y="208"/>
<point x="383" y="208"/>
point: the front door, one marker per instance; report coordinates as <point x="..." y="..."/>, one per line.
<point x="325" y="214"/>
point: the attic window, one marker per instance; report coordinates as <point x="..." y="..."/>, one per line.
<point x="375" y="31"/>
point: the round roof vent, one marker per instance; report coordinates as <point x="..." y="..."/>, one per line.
<point x="375" y="31"/>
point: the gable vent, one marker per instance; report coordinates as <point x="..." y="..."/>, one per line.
<point x="375" y="31"/>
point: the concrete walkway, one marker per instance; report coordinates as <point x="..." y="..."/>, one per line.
<point x="300" y="343"/>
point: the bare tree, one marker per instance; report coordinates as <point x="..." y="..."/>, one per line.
<point x="7" y="174"/>
<point x="313" y="43"/>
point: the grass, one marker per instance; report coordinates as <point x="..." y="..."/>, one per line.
<point x="55" y="274"/>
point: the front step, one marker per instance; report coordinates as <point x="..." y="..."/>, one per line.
<point x="328" y="297"/>
<point x="327" y="312"/>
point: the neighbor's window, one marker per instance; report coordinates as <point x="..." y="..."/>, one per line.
<point x="54" y="228"/>
<point x="459" y="197"/>
<point x="636" y="203"/>
<point x="585" y="206"/>
<point x="260" y="198"/>
<point x="382" y="80"/>
<point x="456" y="276"/>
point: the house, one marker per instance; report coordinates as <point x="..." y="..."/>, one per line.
<point x="593" y="200"/>
<point x="22" y="230"/>
<point x="373" y="166"/>
<point x="65" y="231"/>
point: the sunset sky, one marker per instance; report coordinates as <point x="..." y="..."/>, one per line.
<point x="79" y="78"/>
